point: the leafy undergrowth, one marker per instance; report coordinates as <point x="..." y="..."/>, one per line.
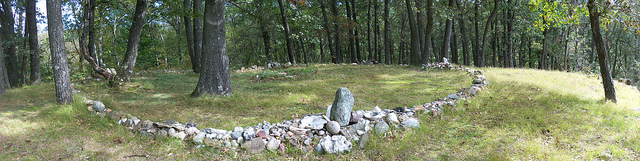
<point x="524" y="115"/>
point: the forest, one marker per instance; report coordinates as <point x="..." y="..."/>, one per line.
<point x="135" y="50"/>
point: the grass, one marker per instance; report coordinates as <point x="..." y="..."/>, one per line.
<point x="524" y="115"/>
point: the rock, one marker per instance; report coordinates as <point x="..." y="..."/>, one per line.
<point x="477" y="81"/>
<point x="162" y="133"/>
<point x="180" y="135"/>
<point x="254" y="146"/>
<point x="335" y="144"/>
<point x="467" y="91"/>
<point x="236" y="135"/>
<point x="192" y="131"/>
<point x="199" y="138"/>
<point x="238" y="129"/>
<point x="319" y="149"/>
<point x="262" y="134"/>
<point x="146" y="134"/>
<point x="328" y="111"/>
<point x="393" y="118"/>
<point x="273" y="145"/>
<point x="227" y="144"/>
<point x="209" y="142"/>
<point x="332" y="127"/>
<point x="191" y="124"/>
<point x="172" y="121"/>
<point x="307" y="142"/>
<point x="98" y="107"/>
<point x="381" y="127"/>
<point x="116" y="115"/>
<point x="360" y="132"/>
<point x="248" y="133"/>
<point x="363" y="141"/>
<point x="234" y="143"/>
<point x="282" y="148"/>
<point x="312" y="122"/>
<point x="452" y="96"/>
<point x="411" y="123"/>
<point x="355" y="117"/>
<point x="342" y="106"/>
<point x="321" y="132"/>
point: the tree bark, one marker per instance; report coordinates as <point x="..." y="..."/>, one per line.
<point x="509" y="56"/>
<point x="415" y="40"/>
<point x="129" y="62"/>
<point x="454" y="43"/>
<point x="603" y="56"/>
<point x="58" y="53"/>
<point x="91" y="28"/>
<point x="188" y="28"/>
<point x="33" y="42"/>
<point x="369" y="51"/>
<point x="327" y="30"/>
<point x="197" y="33"/>
<point x="428" y="38"/>
<point x="421" y="31"/>
<point x="287" y="35"/>
<point x="566" y="49"/>
<point x="215" y="78"/>
<point x="376" y="33"/>
<point x="357" y="29"/>
<point x="266" y="39"/>
<point x="351" y="48"/>
<point x="463" y="36"/>
<point x="387" y="30"/>
<point x="486" y="31"/>
<point x="3" y="72"/>
<point x="8" y="36"/>
<point x="543" y="61"/>
<point x="338" y="57"/>
<point x="447" y="35"/>
<point x="476" y="42"/>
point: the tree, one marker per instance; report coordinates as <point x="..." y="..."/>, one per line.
<point x="603" y="55"/>
<point x="129" y="62"/>
<point x="8" y="36"/>
<point x="486" y="32"/>
<point x="215" y="78"/>
<point x="387" y="41"/>
<point x="447" y="35"/>
<point x="189" y="34"/>
<point x="58" y="53"/>
<point x="2" y="71"/>
<point x="427" y="39"/>
<point x="287" y="33"/>
<point x="337" y="58"/>
<point x="415" y="41"/>
<point x="197" y="34"/>
<point x="33" y="41"/>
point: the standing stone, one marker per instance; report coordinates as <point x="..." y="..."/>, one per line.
<point x="342" y="106"/>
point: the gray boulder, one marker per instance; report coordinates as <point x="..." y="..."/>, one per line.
<point x="98" y="107"/>
<point x="255" y="145"/>
<point x="273" y="144"/>
<point x="381" y="127"/>
<point x="313" y="122"/>
<point x="342" y="106"/>
<point x="411" y="123"/>
<point x="335" y="144"/>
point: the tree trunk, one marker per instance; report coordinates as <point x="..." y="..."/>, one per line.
<point x="266" y="39"/>
<point x="215" y="78"/>
<point x="509" y="56"/>
<point x="130" y="56"/>
<point x="421" y="31"/>
<point x="91" y="29"/>
<point x="566" y="49"/>
<point x="543" y="61"/>
<point x="415" y="40"/>
<point x="327" y="30"/>
<point x="334" y="9"/>
<point x="486" y="31"/>
<point x="197" y="33"/>
<point x="476" y="42"/>
<point x="8" y="36"/>
<point x="376" y="33"/>
<point x="454" y="43"/>
<point x="351" y="48"/>
<point x="58" y="53"/>
<point x="603" y="56"/>
<point x="188" y="28"/>
<point x="522" y="56"/>
<point x="463" y="36"/>
<point x="3" y="72"/>
<point x="33" y="42"/>
<point x="369" y="51"/>
<point x="287" y="35"/>
<point x="428" y="42"/>
<point x="357" y="35"/>
<point x="447" y="35"/>
<point x="387" y="30"/>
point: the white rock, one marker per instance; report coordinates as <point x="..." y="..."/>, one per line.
<point x="192" y="131"/>
<point x="199" y="138"/>
<point x="273" y="144"/>
<point x="392" y="117"/>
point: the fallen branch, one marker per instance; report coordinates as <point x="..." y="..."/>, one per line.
<point x="136" y="155"/>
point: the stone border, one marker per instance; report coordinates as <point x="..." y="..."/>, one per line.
<point x="304" y="132"/>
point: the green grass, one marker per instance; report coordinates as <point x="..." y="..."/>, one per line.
<point x="524" y="115"/>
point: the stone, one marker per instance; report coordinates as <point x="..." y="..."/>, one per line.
<point x="192" y="131"/>
<point x="452" y="96"/>
<point x="146" y="134"/>
<point x="236" y="135"/>
<point x="332" y="127"/>
<point x="363" y="141"/>
<point x="321" y="132"/>
<point x="162" y="133"/>
<point x="355" y="117"/>
<point x="477" y="81"/>
<point x="254" y="146"/>
<point x="282" y="148"/>
<point x="209" y="142"/>
<point x="234" y="143"/>
<point x="191" y="124"/>
<point x="312" y="122"/>
<point x="342" y="106"/>
<point x="238" y="129"/>
<point x="319" y="149"/>
<point x="411" y="123"/>
<point x="334" y="144"/>
<point x="360" y="132"/>
<point x="98" y="107"/>
<point x="273" y="145"/>
<point x="227" y="144"/>
<point x="381" y="127"/>
<point x="262" y="134"/>
<point x="392" y="118"/>
<point x="180" y="135"/>
<point x="248" y="133"/>
<point x="199" y="138"/>
<point x="328" y="111"/>
<point x="172" y="121"/>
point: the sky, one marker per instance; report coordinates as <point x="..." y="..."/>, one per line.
<point x="41" y="7"/>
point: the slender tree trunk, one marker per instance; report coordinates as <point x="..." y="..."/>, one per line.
<point x="387" y="30"/>
<point x="509" y="56"/>
<point x="58" y="53"/>
<point x="129" y="61"/>
<point x="454" y="43"/>
<point x="428" y="39"/>
<point x="566" y="49"/>
<point x="447" y="35"/>
<point x="476" y="42"/>
<point x="8" y="36"/>
<point x="616" y="55"/>
<point x="334" y="9"/>
<point x="99" y="50"/>
<point x="486" y="31"/>
<point x="33" y="42"/>
<point x="91" y="29"/>
<point x="327" y="29"/>
<point x="463" y="36"/>
<point x="543" y="61"/>
<point x="369" y="51"/>
<point x="603" y="56"/>
<point x="415" y="40"/>
<point x="351" y="48"/>
<point x="376" y="33"/>
<point x="522" y="56"/>
<point x="188" y="28"/>
<point x="215" y="78"/>
<point x="266" y="39"/>
<point x="357" y="29"/>
<point x="197" y="34"/>
<point x="3" y="72"/>
<point x="283" y="14"/>
<point x="421" y="29"/>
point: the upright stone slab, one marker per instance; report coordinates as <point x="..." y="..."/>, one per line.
<point x="342" y="106"/>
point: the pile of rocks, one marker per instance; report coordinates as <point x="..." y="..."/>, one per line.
<point x="332" y="132"/>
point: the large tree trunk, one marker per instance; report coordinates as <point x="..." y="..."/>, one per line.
<point x="266" y="39"/>
<point x="421" y="31"/>
<point x="58" y="53"/>
<point x="197" y="33"/>
<point x="129" y="62"/>
<point x="454" y="43"/>
<point x="8" y="35"/>
<point x="387" y="30"/>
<point x="428" y="38"/>
<point x="3" y="72"/>
<point x="327" y="30"/>
<point x="188" y="28"/>
<point x="215" y="78"/>
<point x="287" y="35"/>
<point x="33" y="41"/>
<point x="447" y="35"/>
<point x="603" y="56"/>
<point x="509" y="56"/>
<point x="338" y="57"/>
<point x="351" y="48"/>
<point x="91" y="29"/>
<point x="415" y="39"/>
<point x="486" y="32"/>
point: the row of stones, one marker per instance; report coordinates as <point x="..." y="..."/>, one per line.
<point x="335" y="131"/>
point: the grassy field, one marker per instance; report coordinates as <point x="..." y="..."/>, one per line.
<point x="524" y="115"/>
